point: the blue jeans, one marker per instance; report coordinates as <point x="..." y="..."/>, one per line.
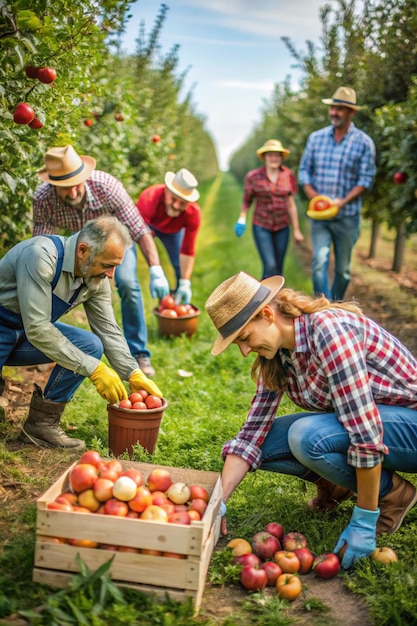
<point x="16" y="350"/>
<point x="343" y="233"/>
<point x="133" y="313"/>
<point x="172" y="243"/>
<point x="310" y="445"/>
<point x="272" y="246"/>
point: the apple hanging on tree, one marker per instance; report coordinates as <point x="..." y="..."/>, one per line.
<point x="23" y="113"/>
<point x="46" y="74"/>
<point x="156" y="138"/>
<point x="400" y="178"/>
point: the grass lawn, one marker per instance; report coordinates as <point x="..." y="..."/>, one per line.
<point x="204" y="411"/>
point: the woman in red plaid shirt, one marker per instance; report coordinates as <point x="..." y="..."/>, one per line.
<point x="273" y="187"/>
<point x="357" y="386"/>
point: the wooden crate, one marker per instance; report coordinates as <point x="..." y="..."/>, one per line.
<point x="55" y="563"/>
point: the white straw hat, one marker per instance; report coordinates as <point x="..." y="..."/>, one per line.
<point x="183" y="184"/>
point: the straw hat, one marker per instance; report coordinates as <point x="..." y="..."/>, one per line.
<point x="272" y="145"/>
<point x="343" y="97"/>
<point x="183" y="184"/>
<point x="65" y="168"/>
<point x="236" y="301"/>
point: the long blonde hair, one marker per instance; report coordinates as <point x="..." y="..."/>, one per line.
<point x="293" y="304"/>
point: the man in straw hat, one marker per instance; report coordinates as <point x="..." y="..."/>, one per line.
<point x="358" y="427"/>
<point x="40" y="280"/>
<point x="272" y="187"/>
<point x="72" y="193"/>
<point x="338" y="162"/>
<point x="172" y="213"/>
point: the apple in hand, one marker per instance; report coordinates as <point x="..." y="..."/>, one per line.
<point x="306" y="558"/>
<point x="253" y="578"/>
<point x="275" y="529"/>
<point x="293" y="540"/>
<point x="265" y="545"/>
<point x="326" y="565"/>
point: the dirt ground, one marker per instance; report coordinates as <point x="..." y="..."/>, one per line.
<point x="220" y="603"/>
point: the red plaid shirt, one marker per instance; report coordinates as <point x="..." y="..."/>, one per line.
<point x="271" y="206"/>
<point x="104" y="195"/>
<point x="342" y="363"/>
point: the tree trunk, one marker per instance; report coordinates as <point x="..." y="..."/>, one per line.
<point x="399" y="250"/>
<point x="376" y="229"/>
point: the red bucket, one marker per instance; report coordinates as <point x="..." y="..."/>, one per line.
<point x="128" y="427"/>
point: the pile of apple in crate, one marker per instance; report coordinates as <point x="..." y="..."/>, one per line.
<point x="159" y="523"/>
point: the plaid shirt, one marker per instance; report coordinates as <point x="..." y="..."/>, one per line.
<point x="342" y="363"/>
<point x="105" y="195"/>
<point x="271" y="207"/>
<point x="333" y="169"/>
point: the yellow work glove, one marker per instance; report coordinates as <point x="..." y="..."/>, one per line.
<point x="138" y="380"/>
<point x="108" y="383"/>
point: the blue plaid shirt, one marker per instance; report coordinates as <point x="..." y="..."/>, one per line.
<point x="333" y="169"/>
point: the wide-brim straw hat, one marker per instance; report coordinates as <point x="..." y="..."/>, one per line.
<point x="65" y="168"/>
<point x="343" y="97"/>
<point x="235" y="302"/>
<point x="182" y="184"/>
<point x="272" y="145"/>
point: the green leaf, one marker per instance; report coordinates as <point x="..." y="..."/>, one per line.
<point x="28" y="20"/>
<point x="10" y="182"/>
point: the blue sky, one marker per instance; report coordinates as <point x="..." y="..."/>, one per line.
<point x="234" y="55"/>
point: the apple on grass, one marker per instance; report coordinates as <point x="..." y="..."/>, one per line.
<point x="306" y="558"/>
<point x="246" y="559"/>
<point x="384" y="555"/>
<point x="326" y="565"/>
<point x="265" y="545"/>
<point x="293" y="540"/>
<point x="253" y="578"/>
<point x="239" y="546"/>
<point x="276" y="529"/>
<point x="273" y="571"/>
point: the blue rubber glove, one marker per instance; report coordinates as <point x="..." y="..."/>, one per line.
<point x="359" y="535"/>
<point x="240" y="226"/>
<point x="223" y="509"/>
<point x="159" y="286"/>
<point x="183" y="294"/>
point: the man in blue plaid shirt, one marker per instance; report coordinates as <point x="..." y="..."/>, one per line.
<point x="339" y="162"/>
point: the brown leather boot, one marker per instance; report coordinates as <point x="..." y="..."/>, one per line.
<point x="42" y="425"/>
<point x="328" y="496"/>
<point x="395" y="505"/>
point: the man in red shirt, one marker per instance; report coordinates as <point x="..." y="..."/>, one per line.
<point x="173" y="215"/>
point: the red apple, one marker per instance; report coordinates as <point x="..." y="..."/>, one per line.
<point x="35" y="123"/>
<point x="400" y="178"/>
<point x="116" y="507"/>
<point x="119" y="117"/>
<point x="246" y="559"/>
<point x="156" y="138"/>
<point x="60" y="506"/>
<point x="153" y="402"/>
<point x="306" y="558"/>
<point x="82" y="477"/>
<point x="273" y="570"/>
<point x="139" y="406"/>
<point x="198" y="505"/>
<point x="46" y="74"/>
<point x="288" y="561"/>
<point x="23" y="113"/>
<point x="197" y="491"/>
<point x="125" y="403"/>
<point x="103" y="489"/>
<point x="179" y="517"/>
<point x="134" y="474"/>
<point x="159" y="498"/>
<point x="31" y="71"/>
<point x="275" y="529"/>
<point x="326" y="565"/>
<point x="168" y="302"/>
<point x="293" y="540"/>
<point x="92" y="457"/>
<point x="88" y="122"/>
<point x="253" y="578"/>
<point x="159" y="480"/>
<point x="265" y="545"/>
<point x="194" y="515"/>
<point x="141" y="500"/>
